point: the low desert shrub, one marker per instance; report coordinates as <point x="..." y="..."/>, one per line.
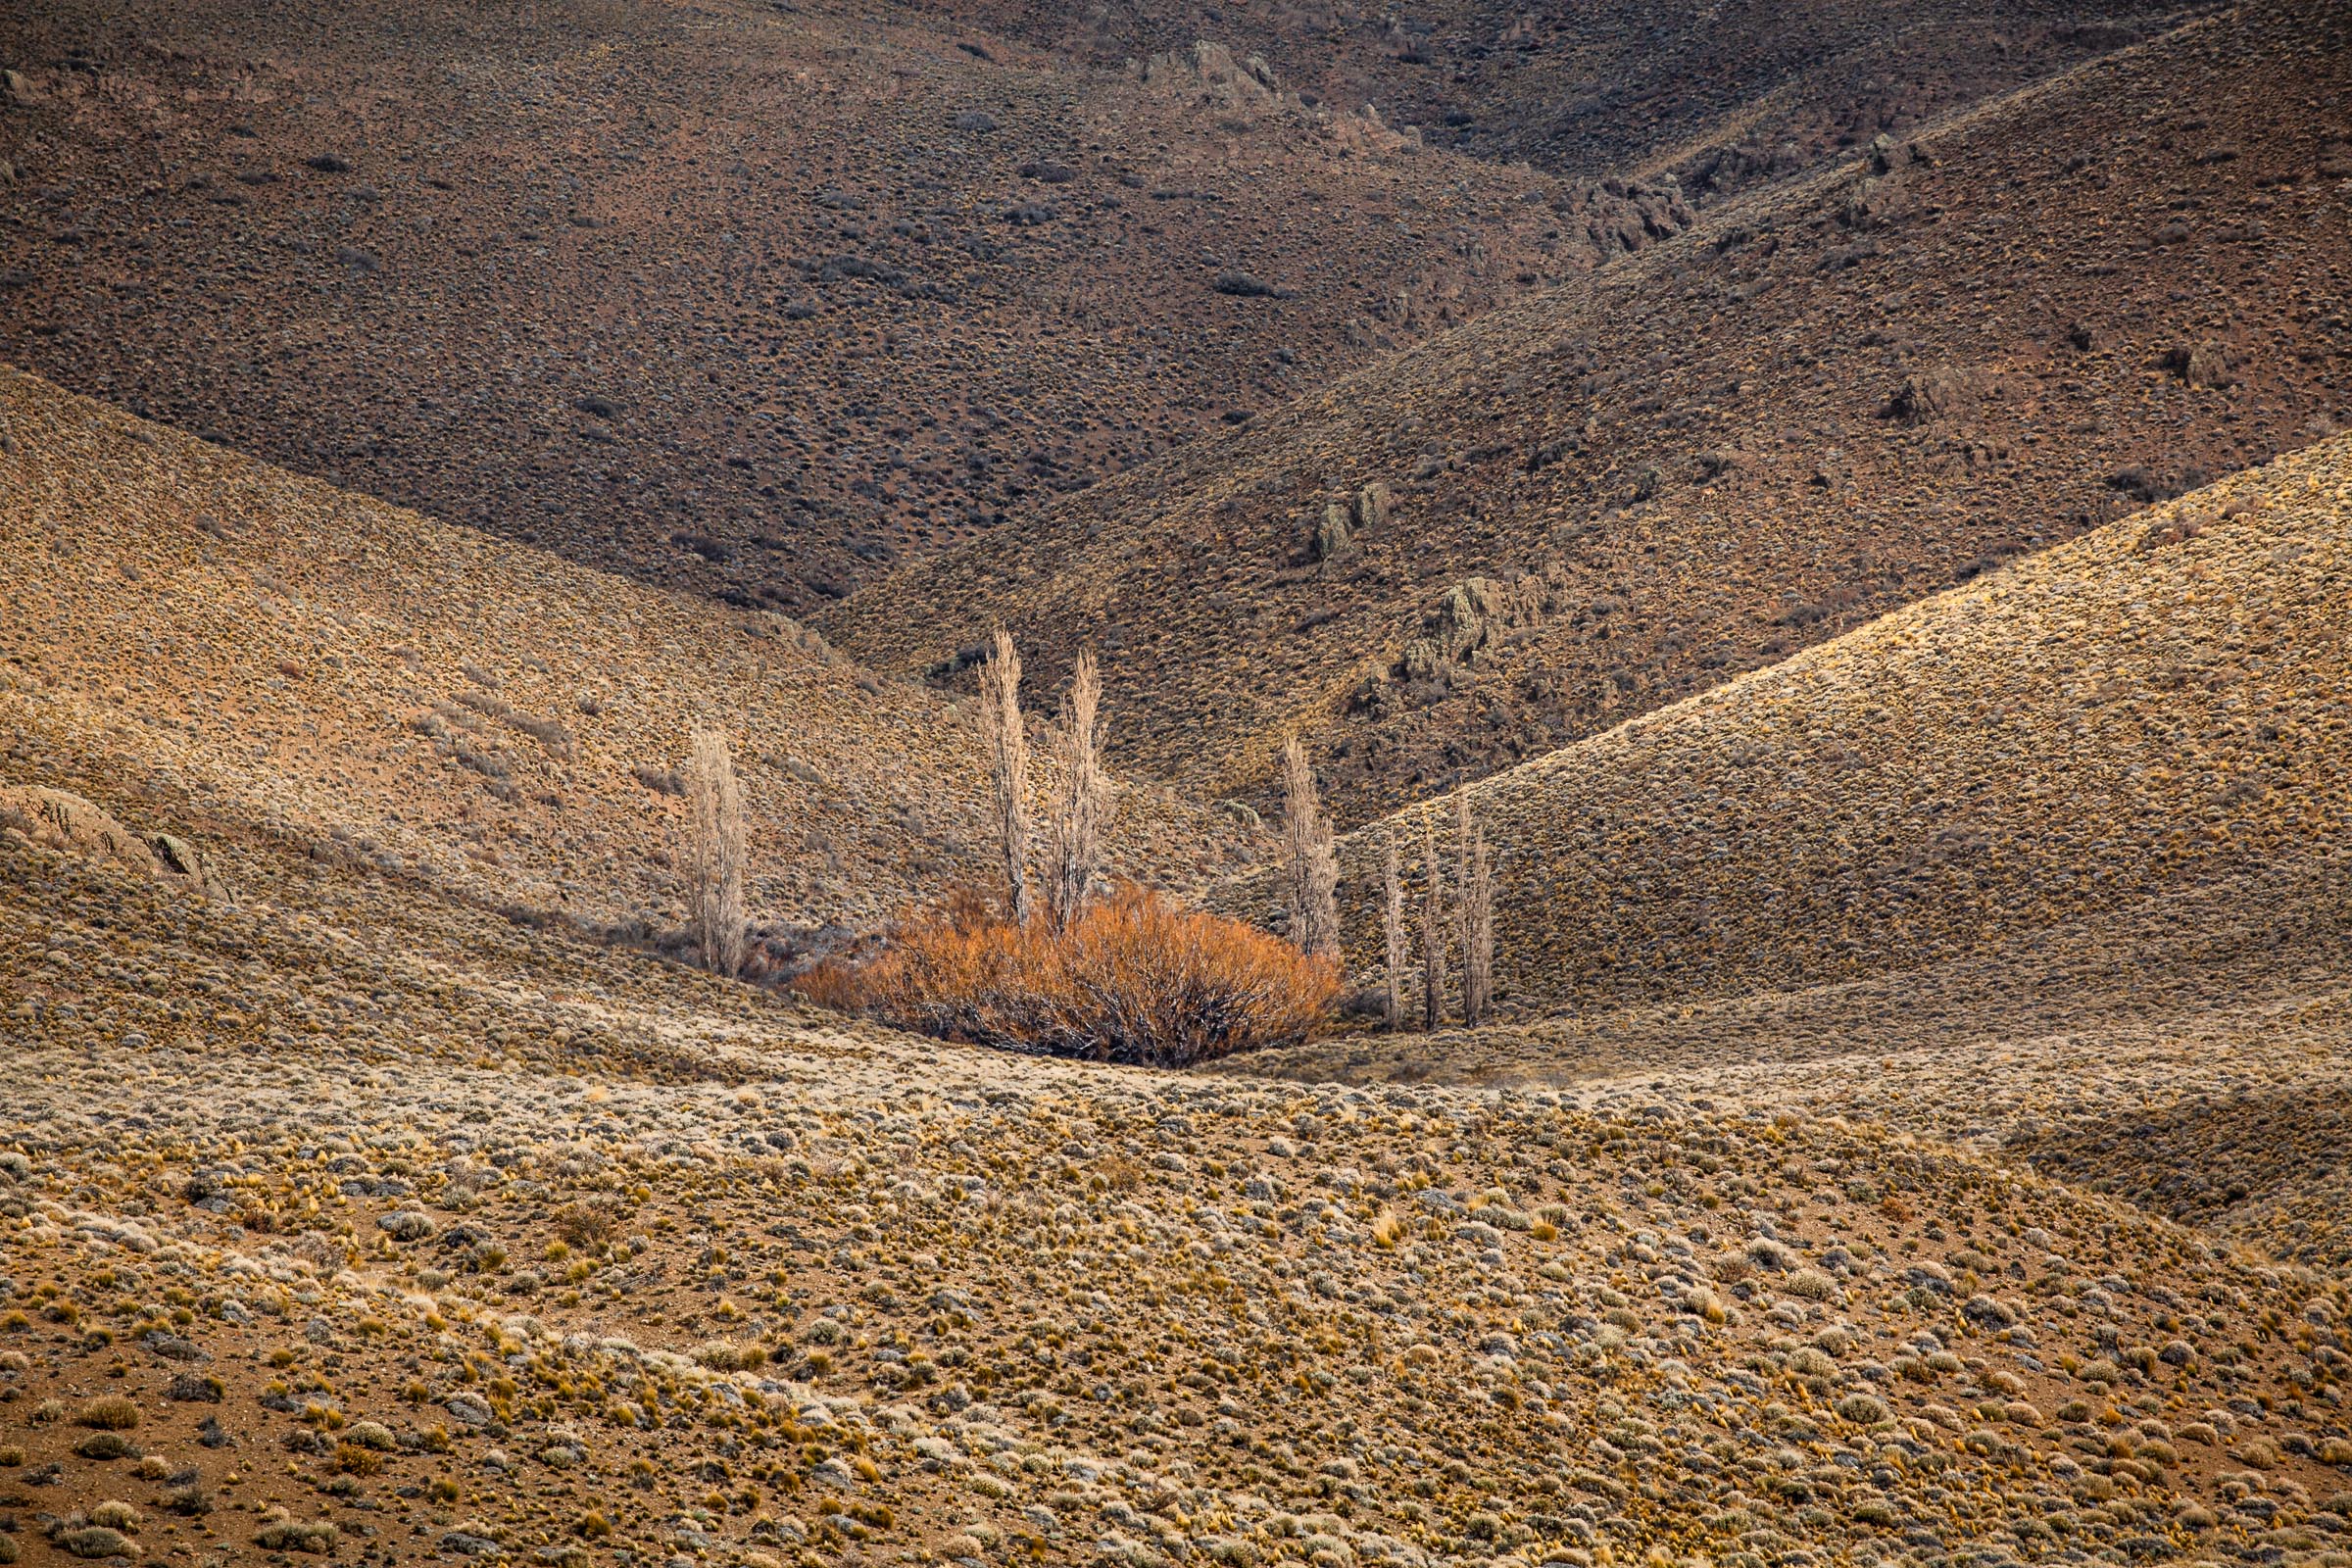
<point x="1133" y="979"/>
<point x="112" y="1413"/>
<point x="280" y="1532"/>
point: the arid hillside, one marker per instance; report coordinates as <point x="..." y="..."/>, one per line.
<point x="2118" y="729"/>
<point x="1825" y="402"/>
<point x="1855" y="503"/>
<point x="732" y="297"/>
<point x="2060" y="860"/>
<point x="345" y="1220"/>
<point x="1720" y="98"/>
<point x="270" y="654"/>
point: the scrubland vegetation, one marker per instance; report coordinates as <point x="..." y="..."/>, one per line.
<point x="1460" y="789"/>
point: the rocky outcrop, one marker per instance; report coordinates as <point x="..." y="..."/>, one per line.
<point x="1209" y="74"/>
<point x="68" y="824"/>
<point x="56" y="821"/>
<point x="1472" y="615"/>
<point x="1210" y="70"/>
<point x="1337" y="526"/>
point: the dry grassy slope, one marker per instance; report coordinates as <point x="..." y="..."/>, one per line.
<point x="2189" y="1055"/>
<point x="2117" y="734"/>
<point x="675" y="1267"/>
<point x="1821" y="404"/>
<point x="1722" y="98"/>
<point x="2056" y="863"/>
<point x="267" y="652"/>
<point x="725" y="297"/>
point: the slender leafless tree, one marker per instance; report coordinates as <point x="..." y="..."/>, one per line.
<point x="1083" y="803"/>
<point x="1312" y="865"/>
<point x="1474" y="920"/>
<point x="1391" y="929"/>
<point x="1433" y="930"/>
<point x="1008" y="741"/>
<point x="715" y="851"/>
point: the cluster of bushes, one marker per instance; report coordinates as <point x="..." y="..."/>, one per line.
<point x="1063" y="967"/>
<point x="1130" y="978"/>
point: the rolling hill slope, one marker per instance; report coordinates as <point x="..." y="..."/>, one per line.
<point x="2115" y="738"/>
<point x="725" y="297"/>
<point x="496" y="1244"/>
<point x="1917" y="1133"/>
<point x="270" y="655"/>
<point x="2058" y="862"/>
<point x="1822" y="403"/>
<point x="1721" y="98"/>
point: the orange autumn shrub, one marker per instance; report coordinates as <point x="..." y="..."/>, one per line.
<point x="1134" y="979"/>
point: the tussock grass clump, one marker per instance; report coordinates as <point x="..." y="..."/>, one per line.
<point x="94" y="1540"/>
<point x="282" y="1532"/>
<point x="725" y="1355"/>
<point x="113" y="1413"/>
<point x="1133" y="979"/>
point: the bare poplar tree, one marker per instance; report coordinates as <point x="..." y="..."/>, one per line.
<point x="1432" y="931"/>
<point x="1007" y="743"/>
<point x="1084" y="801"/>
<point x="1474" y="921"/>
<point x="1313" y="867"/>
<point x="1392" y="928"/>
<point x="714" y="852"/>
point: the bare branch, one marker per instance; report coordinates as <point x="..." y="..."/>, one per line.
<point x="714" y="852"/>
<point x="1312" y="865"/>
<point x="1474" y="929"/>
<point x="1007" y="743"/>
<point x="1432" y="931"/>
<point x="1392" y="927"/>
<point x="1083" y="803"/>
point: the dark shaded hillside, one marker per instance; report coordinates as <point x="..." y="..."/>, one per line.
<point x="1821" y="405"/>
<point x="747" y="302"/>
<point x="1721" y="96"/>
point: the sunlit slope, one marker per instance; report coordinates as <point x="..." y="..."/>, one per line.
<point x="265" y="650"/>
<point x="2100" y="743"/>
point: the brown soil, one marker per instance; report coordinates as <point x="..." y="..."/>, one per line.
<point x="728" y="298"/>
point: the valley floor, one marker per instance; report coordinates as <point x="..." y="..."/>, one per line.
<point x="464" y="1238"/>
